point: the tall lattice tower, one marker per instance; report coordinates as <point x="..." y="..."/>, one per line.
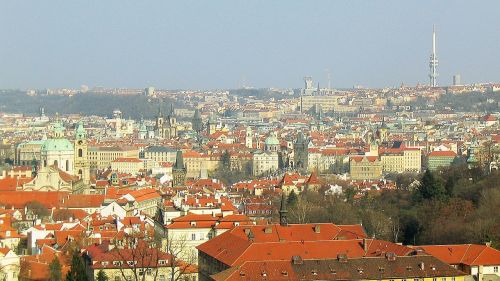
<point x="433" y="63"/>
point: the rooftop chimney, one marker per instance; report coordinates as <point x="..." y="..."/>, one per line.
<point x="421" y="266"/>
<point x="250" y="235"/>
<point x="390" y="256"/>
<point x="342" y="257"/>
<point x="317" y="229"/>
<point x="365" y="245"/>
<point x="297" y="260"/>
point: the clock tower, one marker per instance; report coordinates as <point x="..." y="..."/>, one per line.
<point x="81" y="163"/>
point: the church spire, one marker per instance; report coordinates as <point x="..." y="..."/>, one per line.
<point x="283" y="211"/>
<point x="171" y="109"/>
<point x="159" y="110"/>
<point x="179" y="161"/>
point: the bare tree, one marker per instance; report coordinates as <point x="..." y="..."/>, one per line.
<point x="300" y="212"/>
<point x="139" y="257"/>
<point x="183" y="257"/>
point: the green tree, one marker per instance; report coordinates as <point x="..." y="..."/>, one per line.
<point x="292" y="199"/>
<point x="430" y="187"/>
<point x="77" y="272"/>
<point x="226" y="160"/>
<point x="449" y="186"/>
<point x="101" y="276"/>
<point x="349" y="194"/>
<point x="55" y="273"/>
<point x="37" y="209"/>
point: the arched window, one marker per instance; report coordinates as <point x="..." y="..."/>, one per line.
<point x="80" y="152"/>
<point x="67" y="165"/>
<point x="55" y="163"/>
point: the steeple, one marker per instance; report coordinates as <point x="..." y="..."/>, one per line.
<point x="171" y="109"/>
<point x="283" y="211"/>
<point x="179" y="161"/>
<point x="159" y="110"/>
<point x="179" y="171"/>
<point x="34" y="166"/>
<point x="197" y="122"/>
<point x="80" y="131"/>
<point x="300" y="151"/>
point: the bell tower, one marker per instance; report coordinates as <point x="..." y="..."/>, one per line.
<point x="249" y="138"/>
<point x="81" y="164"/>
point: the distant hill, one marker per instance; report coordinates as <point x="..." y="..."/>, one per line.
<point x="135" y="107"/>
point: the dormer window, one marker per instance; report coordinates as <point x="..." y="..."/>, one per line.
<point x="116" y="263"/>
<point x="104" y="263"/>
<point x="162" y="262"/>
<point x="131" y="263"/>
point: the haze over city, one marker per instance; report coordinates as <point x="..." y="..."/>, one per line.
<point x="250" y="140"/>
<point x="230" y="44"/>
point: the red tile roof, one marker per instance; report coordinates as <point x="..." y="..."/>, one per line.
<point x="313" y="179"/>
<point x="11" y="183"/>
<point x="276" y="242"/>
<point x="442" y="154"/>
<point x="468" y="254"/>
<point x="127" y="160"/>
<point x="83" y="201"/>
<point x="19" y="199"/>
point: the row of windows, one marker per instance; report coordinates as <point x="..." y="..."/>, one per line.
<point x="433" y="279"/>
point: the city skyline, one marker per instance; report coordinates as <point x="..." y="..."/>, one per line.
<point x="233" y="44"/>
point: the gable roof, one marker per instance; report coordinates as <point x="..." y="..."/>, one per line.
<point x="281" y="242"/>
<point x="468" y="254"/>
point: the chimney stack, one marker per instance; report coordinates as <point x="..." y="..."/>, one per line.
<point x="365" y="245"/>
<point x="421" y="265"/>
<point x="317" y="229"/>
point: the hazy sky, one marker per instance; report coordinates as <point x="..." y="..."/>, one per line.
<point x="219" y="44"/>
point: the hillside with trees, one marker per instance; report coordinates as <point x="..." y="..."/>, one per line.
<point x="451" y="205"/>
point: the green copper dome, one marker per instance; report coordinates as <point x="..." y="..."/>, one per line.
<point x="272" y="140"/>
<point x="57" y="145"/>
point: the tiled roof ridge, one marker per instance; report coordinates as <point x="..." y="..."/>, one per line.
<point x="465" y="253"/>
<point x="479" y="254"/>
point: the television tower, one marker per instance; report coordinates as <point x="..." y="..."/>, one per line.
<point x="433" y="63"/>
